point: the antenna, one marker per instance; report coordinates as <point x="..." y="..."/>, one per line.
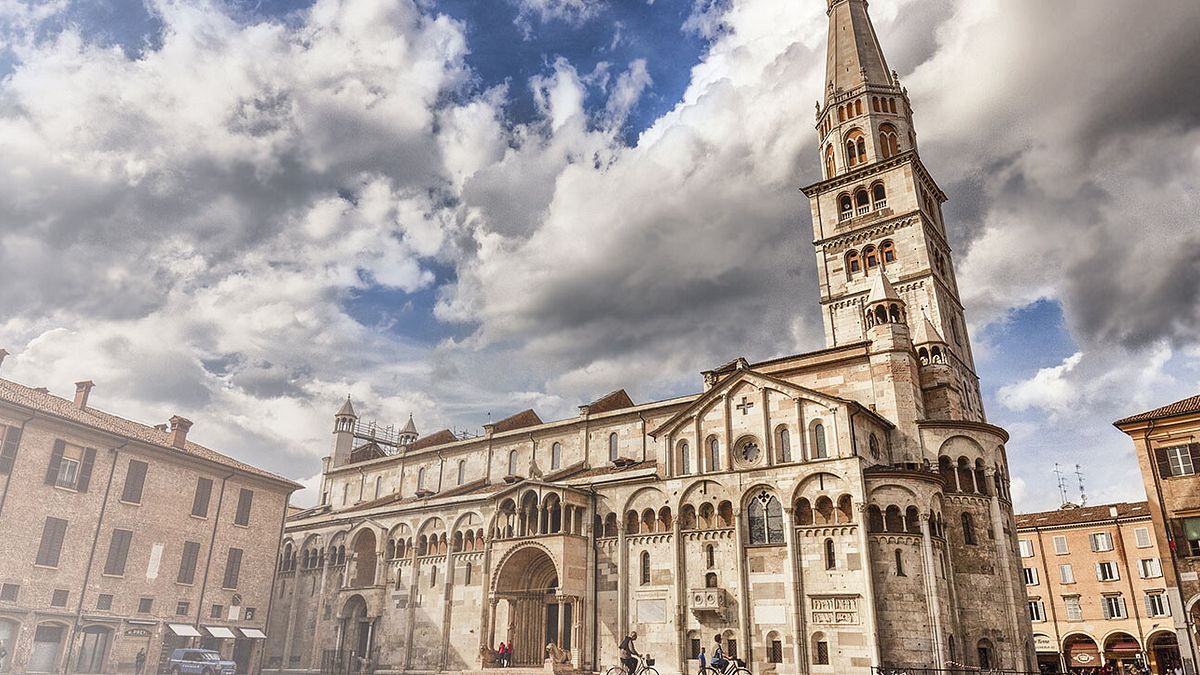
<point x="1062" y="483"/>
<point x="1082" y="494"/>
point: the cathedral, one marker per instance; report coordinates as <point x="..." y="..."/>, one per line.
<point x="838" y="511"/>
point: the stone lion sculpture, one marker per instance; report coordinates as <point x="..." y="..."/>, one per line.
<point x="488" y="657"/>
<point x="557" y="656"/>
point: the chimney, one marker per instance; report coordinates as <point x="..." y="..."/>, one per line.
<point x="82" y="391"/>
<point x="3" y="353"/>
<point x="179" y="431"/>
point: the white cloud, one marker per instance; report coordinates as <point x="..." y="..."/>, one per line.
<point x="1049" y="389"/>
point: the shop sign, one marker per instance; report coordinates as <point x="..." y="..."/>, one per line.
<point x="137" y="632"/>
<point x="1044" y="643"/>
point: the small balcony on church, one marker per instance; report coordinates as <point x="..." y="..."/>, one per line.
<point x="538" y="515"/>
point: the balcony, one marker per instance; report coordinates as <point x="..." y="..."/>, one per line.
<point x="707" y="600"/>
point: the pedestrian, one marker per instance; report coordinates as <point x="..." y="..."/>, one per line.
<point x="3" y="655"/>
<point x="501" y="651"/>
<point x="508" y="653"/>
<point x="139" y="661"/>
<point x="703" y="659"/>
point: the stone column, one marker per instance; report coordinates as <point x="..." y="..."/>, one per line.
<point x="739" y="539"/>
<point x="802" y="429"/>
<point x="622" y="578"/>
<point x="727" y="444"/>
<point x="793" y="585"/>
<point x="681" y="593"/>
<point x="291" y="623"/>
<point x="932" y="600"/>
<point x="316" y="646"/>
<point x="768" y="435"/>
<point x="870" y="619"/>
<point x="1004" y="554"/>
<point x="447" y="605"/>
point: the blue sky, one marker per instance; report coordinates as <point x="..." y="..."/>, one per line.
<point x="538" y="201"/>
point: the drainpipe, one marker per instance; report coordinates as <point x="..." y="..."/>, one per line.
<point x="8" y="478"/>
<point x="643" y="419"/>
<point x="212" y="541"/>
<point x="87" y="575"/>
<point x="1162" y="508"/>
<point x="595" y="589"/>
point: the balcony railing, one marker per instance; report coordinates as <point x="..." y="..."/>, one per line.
<point x="863" y="210"/>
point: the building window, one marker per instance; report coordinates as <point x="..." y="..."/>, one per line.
<point x="462" y="471"/>
<point x="1176" y="461"/>
<point x="145" y="605"/>
<point x="1031" y="576"/>
<point x="710" y="556"/>
<point x="820" y="650"/>
<point x="785" y="446"/>
<point x="118" y="553"/>
<point x="1157" y="605"/>
<point x="1037" y="611"/>
<point x="818" y="434"/>
<point x="869" y="254"/>
<point x="830" y="555"/>
<point x="968" y="528"/>
<point x="49" y="550"/>
<point x="202" y="497"/>
<point x="1101" y="541"/>
<point x="556" y="456"/>
<point x="714" y="454"/>
<point x="645" y="568"/>
<point x="104" y="602"/>
<point x="774" y="649"/>
<point x="135" y="482"/>
<point x="433" y="576"/>
<point x="765" y="518"/>
<point x="245" y="502"/>
<point x="467" y="573"/>
<point x="187" y="563"/>
<point x="853" y="263"/>
<point x="216" y="611"/>
<point x="512" y="463"/>
<point x="9" y="592"/>
<point x="233" y="568"/>
<point x="1066" y="573"/>
<point x="182" y="608"/>
<point x="1149" y="568"/>
<point x="685" y="459"/>
<point x="1114" y="607"/>
<point x="873" y="446"/>
<point x="1142" y="536"/>
<point x="900" y="563"/>
<point x="59" y="598"/>
<point x="421" y="478"/>
<point x="1026" y="547"/>
<point x="612" y="447"/>
<point x="1074" y="608"/>
<point x="10" y="438"/>
<point x="1060" y="545"/>
<point x="1107" y="571"/>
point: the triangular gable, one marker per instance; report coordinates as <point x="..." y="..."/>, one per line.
<point x="366" y="452"/>
<point x="615" y="400"/>
<point x="739" y="376"/>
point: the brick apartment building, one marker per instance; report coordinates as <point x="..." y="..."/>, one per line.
<point x="1166" y="441"/>
<point x="120" y="537"/>
<point x="1097" y="592"/>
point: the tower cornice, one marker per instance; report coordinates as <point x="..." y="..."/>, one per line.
<point x="866" y="171"/>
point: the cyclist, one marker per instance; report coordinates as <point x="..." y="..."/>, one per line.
<point x="629" y="653"/>
<point x="719" y="662"/>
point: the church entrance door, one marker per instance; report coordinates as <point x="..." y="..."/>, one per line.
<point x="528" y="585"/>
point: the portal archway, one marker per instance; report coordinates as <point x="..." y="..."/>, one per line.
<point x="526" y="598"/>
<point x="364" y="559"/>
<point x="357" y="634"/>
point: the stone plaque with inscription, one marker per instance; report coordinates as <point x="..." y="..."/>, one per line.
<point x="838" y="610"/>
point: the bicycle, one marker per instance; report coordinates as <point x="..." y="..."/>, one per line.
<point x="734" y="667"/>
<point x="645" y="667"/>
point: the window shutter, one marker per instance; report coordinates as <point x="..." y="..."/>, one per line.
<point x="1121" y="605"/>
<point x="11" y="437"/>
<point x="55" y="461"/>
<point x="85" y="470"/>
<point x="203" y="494"/>
<point x="1107" y="608"/>
<point x="118" y="552"/>
<point x="1099" y="572"/>
<point x="1150" y="605"/>
<point x="233" y="564"/>
<point x="1194" y="449"/>
<point x="1164" y="462"/>
<point x="187" y="564"/>
<point x="135" y="481"/>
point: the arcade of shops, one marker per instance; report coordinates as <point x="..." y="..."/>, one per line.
<point x="1081" y="653"/>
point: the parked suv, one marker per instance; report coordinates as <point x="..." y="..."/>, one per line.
<point x="199" y="662"/>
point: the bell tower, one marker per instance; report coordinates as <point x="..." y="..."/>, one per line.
<point x="877" y="208"/>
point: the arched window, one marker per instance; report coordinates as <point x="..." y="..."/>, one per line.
<point x="820" y="649"/>
<point x="874" y="519"/>
<point x="878" y="196"/>
<point x="862" y="150"/>
<point x="830" y="555"/>
<point x="889" y="143"/>
<point x="891" y="105"/>
<point x="856" y="148"/>
<point x="875" y="103"/>
<point x="432" y="576"/>
<point x="556" y="456"/>
<point x="421" y="478"/>
<point x="841" y="114"/>
<point x="765" y="518"/>
<point x="462" y="471"/>
<point x="645" y="568"/>
<point x="873" y="444"/>
<point x="819" y="449"/>
<point x="714" y="454"/>
<point x="710" y="556"/>
<point x="862" y="203"/>
<point x="710" y="580"/>
<point x="968" y="527"/>
<point x="887" y="250"/>
<point x="853" y="265"/>
<point x="612" y="447"/>
<point x="858" y="107"/>
<point x="845" y="207"/>
<point x="785" y="445"/>
<point x="870" y="257"/>
<point x="512" y="463"/>
<point x="685" y="459"/>
<point x="467" y="574"/>
<point x="829" y="163"/>
<point x="900" y="563"/>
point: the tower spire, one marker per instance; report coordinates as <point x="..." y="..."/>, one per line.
<point x="855" y="58"/>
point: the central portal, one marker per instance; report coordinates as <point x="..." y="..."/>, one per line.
<point x="527" y="609"/>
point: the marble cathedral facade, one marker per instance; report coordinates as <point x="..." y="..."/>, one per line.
<point x="826" y="512"/>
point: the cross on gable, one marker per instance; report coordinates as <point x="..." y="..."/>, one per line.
<point x="745" y="405"/>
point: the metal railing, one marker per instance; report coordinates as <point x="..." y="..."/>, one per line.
<point x="960" y="670"/>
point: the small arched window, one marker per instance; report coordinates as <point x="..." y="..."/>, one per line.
<point x="875" y="103"/>
<point x="858" y="107"/>
<point x="862" y="203"/>
<point x="841" y="113"/>
<point x="900" y="563"/>
<point x="878" y="196"/>
<point x="612" y="447"/>
<point x="685" y="460"/>
<point x="556" y="456"/>
<point x="968" y="527"/>
<point x="785" y="445"/>
<point x="829" y="163"/>
<point x="710" y="556"/>
<point x="820" y="451"/>
<point x="714" y="454"/>
<point x="462" y="471"/>
<point x="870" y="257"/>
<point x="820" y="649"/>
<point x="421" y="478"/>
<point x="891" y="105"/>
<point x="856" y="148"/>
<point x="873" y="444"/>
<point x="710" y="580"/>
<point x="889" y="140"/>
<point x="887" y="251"/>
<point x="853" y="263"/>
<point x="645" y="568"/>
<point x="845" y="207"/>
<point x="512" y="463"/>
<point x="830" y="555"/>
